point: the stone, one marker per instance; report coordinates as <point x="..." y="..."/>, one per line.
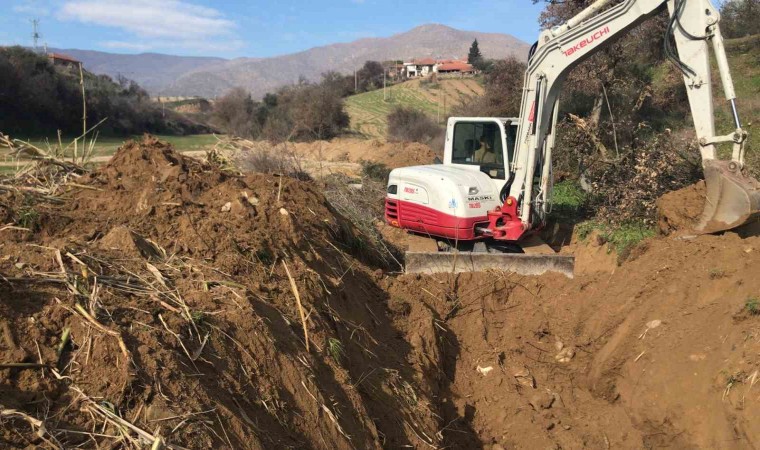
<point x="541" y="400"/>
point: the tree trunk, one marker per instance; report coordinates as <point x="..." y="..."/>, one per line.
<point x="596" y="110"/>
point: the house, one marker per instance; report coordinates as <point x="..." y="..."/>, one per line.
<point x="428" y="66"/>
<point x="59" y="59"/>
<point x="455" y="68"/>
<point x="420" y="67"/>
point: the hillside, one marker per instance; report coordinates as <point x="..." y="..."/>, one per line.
<point x="369" y="110"/>
<point x="211" y="77"/>
<point x="152" y="71"/>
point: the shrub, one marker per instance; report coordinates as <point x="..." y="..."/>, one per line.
<point x="302" y="112"/>
<point x="234" y="113"/>
<point x="376" y="171"/>
<point x="503" y="92"/>
<point x="411" y="125"/>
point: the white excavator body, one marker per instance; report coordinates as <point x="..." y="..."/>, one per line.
<point x="451" y="200"/>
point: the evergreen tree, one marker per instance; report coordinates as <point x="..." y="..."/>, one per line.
<point x="474" y="56"/>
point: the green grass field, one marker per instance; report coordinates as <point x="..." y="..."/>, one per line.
<point x="107" y="145"/>
<point x="369" y="111"/>
<point x="104" y="147"/>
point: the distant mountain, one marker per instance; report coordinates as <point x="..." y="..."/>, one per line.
<point x="211" y="77"/>
<point x="153" y="71"/>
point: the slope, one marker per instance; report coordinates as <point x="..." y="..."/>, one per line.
<point x="369" y="110"/>
<point x="152" y="71"/>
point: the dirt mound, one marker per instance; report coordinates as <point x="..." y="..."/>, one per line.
<point x="680" y="210"/>
<point x="392" y="154"/>
<point x="199" y="339"/>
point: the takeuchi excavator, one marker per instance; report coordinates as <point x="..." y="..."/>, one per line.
<point x="494" y="188"/>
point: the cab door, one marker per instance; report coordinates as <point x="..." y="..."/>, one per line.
<point x="485" y="144"/>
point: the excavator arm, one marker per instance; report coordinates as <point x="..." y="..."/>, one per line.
<point x="732" y="197"/>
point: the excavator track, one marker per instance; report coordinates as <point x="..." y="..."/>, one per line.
<point x="532" y="257"/>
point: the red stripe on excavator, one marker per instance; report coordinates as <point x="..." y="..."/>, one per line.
<point x="415" y="217"/>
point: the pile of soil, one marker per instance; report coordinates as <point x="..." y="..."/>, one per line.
<point x="196" y="333"/>
<point x="186" y="265"/>
<point x="392" y="154"/>
<point x="679" y="211"/>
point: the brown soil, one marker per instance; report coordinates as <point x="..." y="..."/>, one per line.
<point x="679" y="211"/>
<point x="184" y="264"/>
<point x="392" y="154"/>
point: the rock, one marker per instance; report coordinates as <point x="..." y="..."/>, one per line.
<point x="654" y="323"/>
<point x="284" y="212"/>
<point x="566" y="427"/>
<point x="524" y="377"/>
<point x="550" y="425"/>
<point x="484" y="370"/>
<point x="565" y="355"/>
<point x="541" y="400"/>
<point x="497" y="447"/>
<point x="20" y="265"/>
<point x="559" y="346"/>
<point x="252" y="200"/>
<point x="227" y="207"/>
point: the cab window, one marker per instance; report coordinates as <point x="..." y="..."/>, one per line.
<point x="480" y="144"/>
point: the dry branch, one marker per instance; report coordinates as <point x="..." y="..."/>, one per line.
<point x="298" y="304"/>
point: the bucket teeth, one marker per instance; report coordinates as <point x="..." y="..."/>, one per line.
<point x="732" y="198"/>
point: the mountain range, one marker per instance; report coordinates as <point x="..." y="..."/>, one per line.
<point x="169" y="75"/>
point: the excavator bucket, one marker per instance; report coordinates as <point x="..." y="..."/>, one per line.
<point x="732" y="198"/>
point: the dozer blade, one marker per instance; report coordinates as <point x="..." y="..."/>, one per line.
<point x="457" y="262"/>
<point x="733" y="199"/>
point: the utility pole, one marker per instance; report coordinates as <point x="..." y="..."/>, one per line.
<point x="35" y="32"/>
<point x="385" y="97"/>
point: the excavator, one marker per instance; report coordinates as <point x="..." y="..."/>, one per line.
<point x="493" y="191"/>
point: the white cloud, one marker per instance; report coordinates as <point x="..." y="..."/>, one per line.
<point x="196" y="45"/>
<point x="32" y="8"/>
<point x="121" y="45"/>
<point x="155" y="23"/>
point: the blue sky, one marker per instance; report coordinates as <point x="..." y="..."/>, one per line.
<point x="254" y="28"/>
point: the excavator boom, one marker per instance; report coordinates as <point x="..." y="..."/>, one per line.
<point x="733" y="198"/>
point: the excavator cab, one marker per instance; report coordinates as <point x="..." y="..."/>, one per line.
<point x="487" y="143"/>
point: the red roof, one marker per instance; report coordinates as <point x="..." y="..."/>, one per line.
<point x="425" y="62"/>
<point x="455" y="66"/>
<point x="62" y="57"/>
